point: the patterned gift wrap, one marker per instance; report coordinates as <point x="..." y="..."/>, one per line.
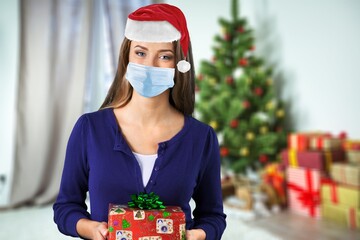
<point x="303" y="191"/>
<point x="346" y="173"/>
<point x="325" y="142"/>
<point x="339" y="194"/>
<point x="300" y="140"/>
<point x="353" y="156"/>
<point x="319" y="160"/>
<point x="341" y="214"/>
<point x="137" y="224"/>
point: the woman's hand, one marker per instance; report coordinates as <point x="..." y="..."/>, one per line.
<point x="195" y="234"/>
<point x="92" y="229"/>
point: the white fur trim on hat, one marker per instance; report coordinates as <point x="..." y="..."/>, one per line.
<point x="151" y="31"/>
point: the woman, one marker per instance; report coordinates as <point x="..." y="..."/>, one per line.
<point x="143" y="139"/>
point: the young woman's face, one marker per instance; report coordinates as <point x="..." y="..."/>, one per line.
<point x="152" y="54"/>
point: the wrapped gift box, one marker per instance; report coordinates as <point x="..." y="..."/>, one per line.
<point x="325" y="142"/>
<point x="273" y="175"/>
<point x="320" y="160"/>
<point x="343" y="215"/>
<point x="346" y="173"/>
<point x="135" y="223"/>
<point x="339" y="194"/>
<point x="303" y="188"/>
<point x="300" y="140"/>
<point x="353" y="156"/>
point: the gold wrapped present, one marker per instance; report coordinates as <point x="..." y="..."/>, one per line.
<point x="343" y="215"/>
<point x="338" y="194"/>
<point x="346" y="173"/>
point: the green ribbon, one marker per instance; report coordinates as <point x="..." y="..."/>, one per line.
<point x="146" y="201"/>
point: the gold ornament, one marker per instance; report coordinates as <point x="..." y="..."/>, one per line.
<point x="269" y="82"/>
<point x="270" y="105"/>
<point x="212" y="81"/>
<point x="264" y="129"/>
<point x="280" y="113"/>
<point x="213" y="124"/>
<point x="250" y="136"/>
<point x="244" y="151"/>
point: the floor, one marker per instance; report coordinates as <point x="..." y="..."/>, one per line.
<point x="36" y="224"/>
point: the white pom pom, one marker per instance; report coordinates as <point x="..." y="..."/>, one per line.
<point x="183" y="66"/>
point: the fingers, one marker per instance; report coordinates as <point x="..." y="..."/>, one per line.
<point x="101" y="231"/>
<point x="195" y="234"/>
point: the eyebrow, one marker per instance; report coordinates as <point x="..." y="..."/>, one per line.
<point x="161" y="50"/>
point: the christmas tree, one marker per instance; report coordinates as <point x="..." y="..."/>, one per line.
<point x="236" y="96"/>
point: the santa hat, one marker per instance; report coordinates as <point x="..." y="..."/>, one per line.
<point x="159" y="23"/>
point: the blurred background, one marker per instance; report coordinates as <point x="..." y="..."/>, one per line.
<point x="58" y="58"/>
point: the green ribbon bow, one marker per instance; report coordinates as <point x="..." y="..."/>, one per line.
<point x="146" y="201"/>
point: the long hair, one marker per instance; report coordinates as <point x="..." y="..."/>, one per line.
<point x="182" y="95"/>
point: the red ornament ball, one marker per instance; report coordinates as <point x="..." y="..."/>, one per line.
<point x="263" y="158"/>
<point x="234" y="123"/>
<point x="229" y="80"/>
<point x="258" y="91"/>
<point x="243" y="62"/>
<point x="227" y="37"/>
<point x="224" y="151"/>
<point x="246" y="104"/>
<point x="240" y="29"/>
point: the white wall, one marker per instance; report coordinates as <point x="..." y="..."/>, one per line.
<point x="314" y="47"/>
<point x="9" y="35"/>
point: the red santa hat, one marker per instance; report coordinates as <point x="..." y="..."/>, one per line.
<point x="159" y="23"/>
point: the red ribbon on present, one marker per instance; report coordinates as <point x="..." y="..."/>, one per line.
<point x="352" y="222"/>
<point x="333" y="189"/>
<point x="308" y="197"/>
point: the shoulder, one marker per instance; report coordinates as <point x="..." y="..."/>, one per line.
<point x="97" y="118"/>
<point x="197" y="124"/>
<point x="200" y="129"/>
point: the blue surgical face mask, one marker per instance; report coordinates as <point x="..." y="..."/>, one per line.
<point x="149" y="81"/>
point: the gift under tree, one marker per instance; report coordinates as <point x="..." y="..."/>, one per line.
<point x="236" y="96"/>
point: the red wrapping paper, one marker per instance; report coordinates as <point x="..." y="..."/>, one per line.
<point x="303" y="191"/>
<point x="133" y="223"/>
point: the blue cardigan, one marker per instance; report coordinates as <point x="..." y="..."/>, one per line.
<point x="99" y="161"/>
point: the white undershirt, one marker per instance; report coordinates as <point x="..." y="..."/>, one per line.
<point x="146" y="163"/>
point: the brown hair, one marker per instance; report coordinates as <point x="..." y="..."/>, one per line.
<point x="182" y="95"/>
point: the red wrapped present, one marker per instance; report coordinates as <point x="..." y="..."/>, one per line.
<point x="166" y="223"/>
<point x="303" y="191"/>
<point x="320" y="160"/>
<point x="300" y="140"/>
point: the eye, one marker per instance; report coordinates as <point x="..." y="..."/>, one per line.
<point x="140" y="53"/>
<point x="166" y="57"/>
